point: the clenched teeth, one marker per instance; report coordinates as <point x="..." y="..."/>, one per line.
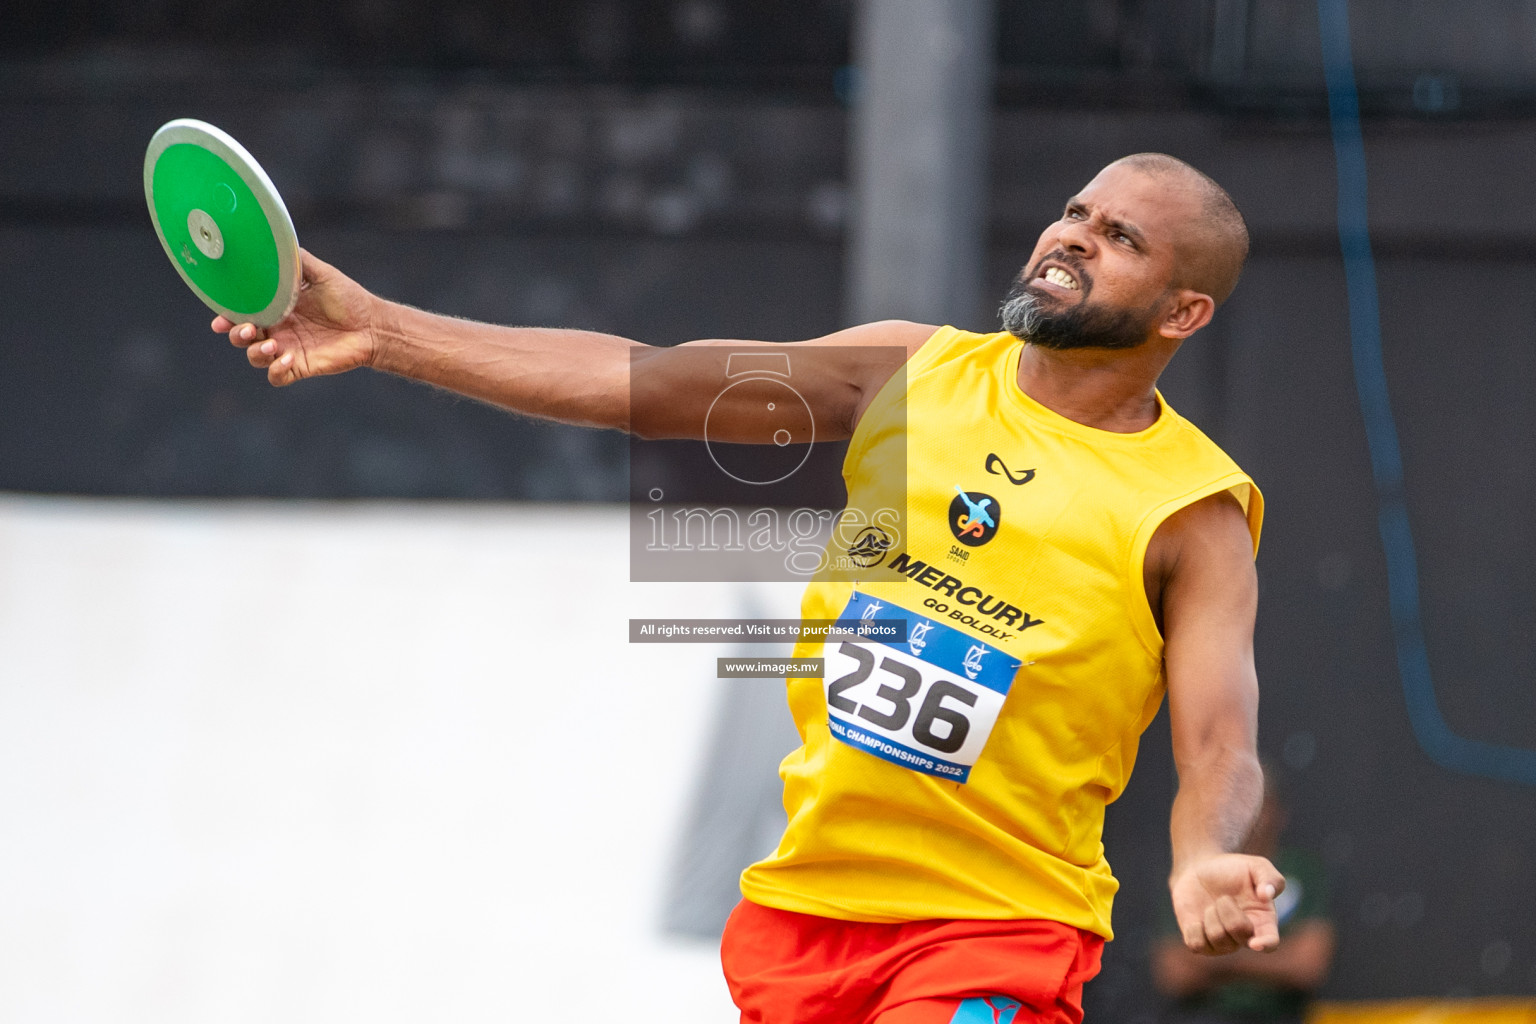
<point x="1060" y="277"/>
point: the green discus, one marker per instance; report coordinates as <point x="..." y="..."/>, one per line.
<point x="222" y="223"/>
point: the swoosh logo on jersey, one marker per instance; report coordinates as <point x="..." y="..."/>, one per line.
<point x="1020" y="481"/>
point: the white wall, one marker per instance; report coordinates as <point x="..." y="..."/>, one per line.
<point x="295" y="762"/>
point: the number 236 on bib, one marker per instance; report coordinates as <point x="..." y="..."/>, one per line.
<point x="927" y="703"/>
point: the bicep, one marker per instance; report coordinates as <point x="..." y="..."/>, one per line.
<point x="756" y="392"/>
<point x="1209" y="603"/>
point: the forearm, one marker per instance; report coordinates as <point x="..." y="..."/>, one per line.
<point x="1219" y="795"/>
<point x="579" y="377"/>
<point x="1223" y="899"/>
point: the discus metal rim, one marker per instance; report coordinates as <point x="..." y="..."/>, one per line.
<point x="187" y="130"/>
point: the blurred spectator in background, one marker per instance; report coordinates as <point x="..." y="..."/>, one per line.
<point x="1247" y="987"/>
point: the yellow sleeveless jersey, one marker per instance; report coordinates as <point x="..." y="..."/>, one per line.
<point x="962" y="771"/>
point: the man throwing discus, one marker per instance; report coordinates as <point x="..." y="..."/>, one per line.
<point x="942" y="861"/>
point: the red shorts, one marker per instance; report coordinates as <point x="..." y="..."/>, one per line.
<point x="787" y="968"/>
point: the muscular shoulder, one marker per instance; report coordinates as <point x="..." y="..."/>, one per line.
<point x="864" y="356"/>
<point x="672" y="390"/>
<point x="1204" y="546"/>
<point x="903" y="333"/>
<point x="895" y="341"/>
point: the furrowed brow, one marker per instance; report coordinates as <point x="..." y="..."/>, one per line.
<point x="1131" y="230"/>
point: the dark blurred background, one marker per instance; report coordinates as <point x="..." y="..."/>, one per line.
<point x="672" y="169"/>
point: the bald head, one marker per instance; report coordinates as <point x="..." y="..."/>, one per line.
<point x="1214" y="246"/>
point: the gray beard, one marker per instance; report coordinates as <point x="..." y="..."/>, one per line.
<point x="1080" y="326"/>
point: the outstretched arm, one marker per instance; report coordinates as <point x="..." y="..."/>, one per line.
<point x="579" y="377"/>
<point x="1203" y="555"/>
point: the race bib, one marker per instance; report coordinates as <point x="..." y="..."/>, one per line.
<point x="927" y="703"/>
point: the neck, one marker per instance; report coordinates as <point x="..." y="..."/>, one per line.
<point x="1108" y="389"/>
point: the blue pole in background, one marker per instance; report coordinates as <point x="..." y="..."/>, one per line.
<point x="1444" y="747"/>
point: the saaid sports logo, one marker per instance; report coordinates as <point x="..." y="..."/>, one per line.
<point x="974" y="517"/>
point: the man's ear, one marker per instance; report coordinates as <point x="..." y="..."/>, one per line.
<point x="1192" y="312"/>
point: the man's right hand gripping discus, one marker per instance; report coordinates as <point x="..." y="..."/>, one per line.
<point x="222" y="223"/>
